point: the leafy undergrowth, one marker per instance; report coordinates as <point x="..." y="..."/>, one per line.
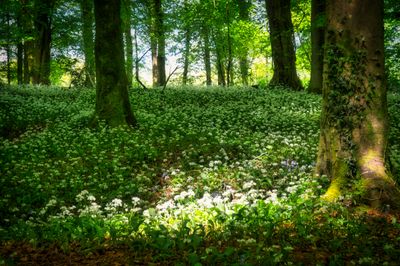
<point x="210" y="176"/>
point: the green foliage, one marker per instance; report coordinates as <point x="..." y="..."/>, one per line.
<point x="210" y="176"/>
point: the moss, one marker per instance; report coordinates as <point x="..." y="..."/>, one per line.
<point x="335" y="189"/>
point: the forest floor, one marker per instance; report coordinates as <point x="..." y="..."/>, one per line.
<point x="209" y="177"/>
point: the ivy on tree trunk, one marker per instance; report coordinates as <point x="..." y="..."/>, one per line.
<point x="354" y="127"/>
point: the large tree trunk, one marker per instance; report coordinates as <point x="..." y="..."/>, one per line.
<point x="128" y="39"/>
<point x="244" y="6"/>
<point x="88" y="40"/>
<point x="207" y="54"/>
<point x="112" y="100"/>
<point x="41" y="55"/>
<point x="317" y="44"/>
<point x="354" y="119"/>
<point x="283" y="54"/>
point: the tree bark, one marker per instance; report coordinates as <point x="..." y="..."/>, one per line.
<point x="244" y="6"/>
<point x="128" y="40"/>
<point x="112" y="100"/>
<point x="354" y="123"/>
<point x="88" y="40"/>
<point x="317" y="44"/>
<point x="41" y="55"/>
<point x="283" y="54"/>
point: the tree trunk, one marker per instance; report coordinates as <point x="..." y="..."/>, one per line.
<point x="128" y="40"/>
<point x="244" y="6"/>
<point x="43" y="18"/>
<point x="229" y="67"/>
<point x="112" y="100"/>
<point x="154" y="52"/>
<point x="207" y="54"/>
<point x="8" y="48"/>
<point x="88" y="40"/>
<point x="186" y="57"/>
<point x="136" y="56"/>
<point x="283" y="54"/>
<point x="159" y="19"/>
<point x="20" y="62"/>
<point x="317" y="44"/>
<point x="27" y="29"/>
<point x="354" y="118"/>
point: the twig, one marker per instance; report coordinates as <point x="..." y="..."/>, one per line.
<point x="166" y="82"/>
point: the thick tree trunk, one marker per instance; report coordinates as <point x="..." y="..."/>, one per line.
<point x="88" y="40"/>
<point x="112" y="100"/>
<point x="186" y="57"/>
<point x="317" y="44"/>
<point x="283" y="54"/>
<point x="41" y="55"/>
<point x="354" y="119"/>
<point x="207" y="55"/>
<point x="128" y="40"/>
<point x="244" y="6"/>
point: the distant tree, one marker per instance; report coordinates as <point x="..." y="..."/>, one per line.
<point x="317" y="44"/>
<point x="88" y="40"/>
<point x="283" y="54"/>
<point x="112" y="101"/>
<point x="354" y="125"/>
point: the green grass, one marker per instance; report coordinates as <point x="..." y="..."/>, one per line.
<point x="210" y="176"/>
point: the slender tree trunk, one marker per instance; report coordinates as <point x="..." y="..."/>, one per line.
<point x="159" y="20"/>
<point x="229" y="68"/>
<point x="112" y="100"/>
<point x="88" y="40"/>
<point x="20" y="62"/>
<point x="27" y="29"/>
<point x="283" y="54"/>
<point x="8" y="48"/>
<point x="154" y="52"/>
<point x="186" y="56"/>
<point x="354" y="124"/>
<point x="136" y="55"/>
<point x="317" y="44"/>
<point x="244" y="6"/>
<point x="43" y="18"/>
<point x="128" y="39"/>
<point x="207" y="54"/>
<point x="20" y="49"/>
<point x="219" y="52"/>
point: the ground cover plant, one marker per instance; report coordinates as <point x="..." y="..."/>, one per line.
<point x="209" y="177"/>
